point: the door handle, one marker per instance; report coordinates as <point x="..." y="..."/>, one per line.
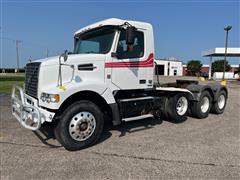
<point x="86" y="67"/>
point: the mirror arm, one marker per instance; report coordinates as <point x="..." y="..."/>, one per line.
<point x="70" y="65"/>
<point x="60" y="72"/>
<point x="65" y="56"/>
<point x="114" y="54"/>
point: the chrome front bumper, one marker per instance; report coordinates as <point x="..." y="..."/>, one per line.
<point x="27" y="115"/>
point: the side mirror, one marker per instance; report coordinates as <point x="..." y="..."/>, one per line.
<point x="130" y="31"/>
<point x="65" y="55"/>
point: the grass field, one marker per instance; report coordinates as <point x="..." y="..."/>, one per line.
<point x="8" y="80"/>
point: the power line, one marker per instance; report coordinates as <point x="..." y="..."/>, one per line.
<point x="14" y="40"/>
<point x="47" y="50"/>
<point x="7" y="38"/>
<point x="17" y="48"/>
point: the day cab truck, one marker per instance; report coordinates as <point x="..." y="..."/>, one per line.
<point x="109" y="75"/>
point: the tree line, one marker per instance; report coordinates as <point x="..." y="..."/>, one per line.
<point x="194" y="67"/>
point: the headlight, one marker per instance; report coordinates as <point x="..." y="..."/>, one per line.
<point x="45" y="97"/>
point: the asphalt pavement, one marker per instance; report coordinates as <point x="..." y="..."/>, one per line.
<point x="147" y="149"/>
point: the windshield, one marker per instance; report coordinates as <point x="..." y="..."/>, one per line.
<point x="97" y="41"/>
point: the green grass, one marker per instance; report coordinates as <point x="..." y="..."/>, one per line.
<point x="11" y="78"/>
<point x="7" y="81"/>
<point x="6" y="86"/>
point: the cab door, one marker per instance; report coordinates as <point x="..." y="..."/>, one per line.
<point x="132" y="64"/>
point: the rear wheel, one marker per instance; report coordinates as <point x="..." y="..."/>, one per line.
<point x="80" y="126"/>
<point x="201" y="108"/>
<point x="220" y="104"/>
<point x="177" y="107"/>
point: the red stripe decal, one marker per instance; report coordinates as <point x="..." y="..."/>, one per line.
<point x="146" y="63"/>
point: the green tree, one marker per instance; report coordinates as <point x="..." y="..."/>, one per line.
<point x="194" y="67"/>
<point x="217" y="66"/>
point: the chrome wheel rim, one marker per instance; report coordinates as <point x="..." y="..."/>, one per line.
<point x="182" y="106"/>
<point x="205" y="103"/>
<point x="82" y="126"/>
<point x="221" y="101"/>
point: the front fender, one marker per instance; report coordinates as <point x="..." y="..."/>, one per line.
<point x="73" y="88"/>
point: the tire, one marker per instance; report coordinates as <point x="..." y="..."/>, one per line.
<point x="80" y="126"/>
<point x="177" y="107"/>
<point x="220" y="104"/>
<point x="202" y="108"/>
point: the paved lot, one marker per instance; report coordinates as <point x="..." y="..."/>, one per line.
<point x="206" y="149"/>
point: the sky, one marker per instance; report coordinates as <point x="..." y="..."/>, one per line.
<point x="182" y="28"/>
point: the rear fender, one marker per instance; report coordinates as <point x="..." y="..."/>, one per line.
<point x="173" y="90"/>
<point x="216" y="88"/>
<point x="213" y="89"/>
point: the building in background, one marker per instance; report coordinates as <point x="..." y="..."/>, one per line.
<point x="220" y="52"/>
<point x="168" y="67"/>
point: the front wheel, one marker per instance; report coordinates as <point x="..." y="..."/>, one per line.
<point x="177" y="107"/>
<point x="80" y="125"/>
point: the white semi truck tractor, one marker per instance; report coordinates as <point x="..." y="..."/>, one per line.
<point x="109" y="75"/>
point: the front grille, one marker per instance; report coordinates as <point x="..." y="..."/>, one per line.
<point x="31" y="79"/>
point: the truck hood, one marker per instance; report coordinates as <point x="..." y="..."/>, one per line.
<point x="72" y="59"/>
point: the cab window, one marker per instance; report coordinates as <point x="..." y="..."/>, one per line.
<point x="136" y="50"/>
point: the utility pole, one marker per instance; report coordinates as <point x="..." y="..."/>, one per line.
<point x="228" y="28"/>
<point x="210" y="69"/>
<point x="30" y="59"/>
<point x="17" y="42"/>
<point x="1" y="51"/>
<point x="47" y="52"/>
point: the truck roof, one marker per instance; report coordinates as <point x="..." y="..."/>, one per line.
<point x="114" y="22"/>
